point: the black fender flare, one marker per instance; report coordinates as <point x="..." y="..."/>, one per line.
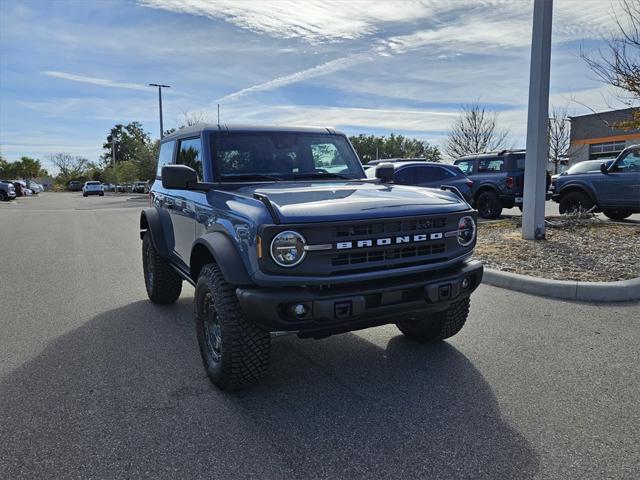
<point x="218" y="247"/>
<point x="150" y="221"/>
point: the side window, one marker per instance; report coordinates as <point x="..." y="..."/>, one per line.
<point x="327" y="157"/>
<point x="466" y="166"/>
<point x="165" y="157"/>
<point x="430" y="174"/>
<point x="631" y="162"/>
<point x="189" y="155"/>
<point x="404" y="176"/>
<point x="490" y="165"/>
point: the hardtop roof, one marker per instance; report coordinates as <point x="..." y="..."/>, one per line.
<point x="198" y="129"/>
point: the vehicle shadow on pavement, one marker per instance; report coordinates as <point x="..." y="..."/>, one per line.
<point x="125" y="395"/>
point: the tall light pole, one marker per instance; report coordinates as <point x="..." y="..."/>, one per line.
<point x="535" y="172"/>
<point x="160" y="87"/>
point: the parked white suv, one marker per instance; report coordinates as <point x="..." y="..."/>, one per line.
<point x="92" y="188"/>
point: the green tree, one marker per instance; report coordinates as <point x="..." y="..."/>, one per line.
<point x="370" y="147"/>
<point x="127" y="171"/>
<point x="26" y="167"/>
<point x="131" y="144"/>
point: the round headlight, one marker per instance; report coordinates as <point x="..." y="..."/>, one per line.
<point x="287" y="248"/>
<point x="466" y="231"/>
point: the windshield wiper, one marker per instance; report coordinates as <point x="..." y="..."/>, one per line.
<point x="322" y="175"/>
<point x="251" y="176"/>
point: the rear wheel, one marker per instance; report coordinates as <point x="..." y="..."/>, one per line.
<point x="162" y="282"/>
<point x="488" y="205"/>
<point x="234" y="351"/>
<point x="617" y="214"/>
<point x="437" y="326"/>
<point x="575" y="201"/>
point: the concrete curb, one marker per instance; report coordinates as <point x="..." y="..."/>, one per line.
<point x="622" y="291"/>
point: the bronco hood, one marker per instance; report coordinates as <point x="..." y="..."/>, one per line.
<point x="297" y="202"/>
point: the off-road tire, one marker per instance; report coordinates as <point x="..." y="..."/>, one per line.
<point x="488" y="205"/>
<point x="243" y="350"/>
<point x="573" y="201"/>
<point x="617" y="214"/>
<point x="162" y="282"/>
<point x="437" y="326"/>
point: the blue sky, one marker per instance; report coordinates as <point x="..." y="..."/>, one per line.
<point x="69" y="70"/>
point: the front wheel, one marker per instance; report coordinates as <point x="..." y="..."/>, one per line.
<point x="437" y="326"/>
<point x="162" y="282"/>
<point x="235" y="352"/>
<point x="488" y="205"/>
<point x="3" y="196"/>
<point x="617" y="214"/>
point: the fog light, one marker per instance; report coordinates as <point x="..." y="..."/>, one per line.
<point x="299" y="310"/>
<point x="466" y="283"/>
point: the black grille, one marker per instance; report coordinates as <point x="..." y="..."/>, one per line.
<point x="387" y="254"/>
<point x="398" y="226"/>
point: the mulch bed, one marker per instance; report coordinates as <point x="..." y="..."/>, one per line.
<point x="588" y="250"/>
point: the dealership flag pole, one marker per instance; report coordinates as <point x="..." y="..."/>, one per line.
<point x="535" y="173"/>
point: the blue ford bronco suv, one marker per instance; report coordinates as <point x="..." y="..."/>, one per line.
<point x="498" y="180"/>
<point x="614" y="190"/>
<point x="279" y="230"/>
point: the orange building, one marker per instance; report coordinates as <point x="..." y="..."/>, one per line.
<point x="600" y="135"/>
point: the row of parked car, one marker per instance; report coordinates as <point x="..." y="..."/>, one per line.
<point x="10" y="189"/>
<point x="493" y="181"/>
<point x="98" y="188"/>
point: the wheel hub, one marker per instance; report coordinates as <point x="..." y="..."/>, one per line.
<point x="212" y="331"/>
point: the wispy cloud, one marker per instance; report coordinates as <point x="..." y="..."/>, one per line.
<point x="104" y="82"/>
<point x="315" y="21"/>
<point x="331" y="66"/>
<point x="451" y="30"/>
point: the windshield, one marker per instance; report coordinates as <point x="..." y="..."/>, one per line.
<point x="585" y="167"/>
<point x="285" y="156"/>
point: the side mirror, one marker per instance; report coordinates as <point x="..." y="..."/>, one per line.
<point x="384" y="172"/>
<point x="604" y="169"/>
<point x="178" y="177"/>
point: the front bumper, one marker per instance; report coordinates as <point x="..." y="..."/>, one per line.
<point x="343" y="308"/>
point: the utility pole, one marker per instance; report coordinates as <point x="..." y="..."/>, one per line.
<point x="160" y="87"/>
<point x="535" y="172"/>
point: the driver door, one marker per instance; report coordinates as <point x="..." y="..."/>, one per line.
<point x="621" y="186"/>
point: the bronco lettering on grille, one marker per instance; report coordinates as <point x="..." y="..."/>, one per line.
<point x="378" y="242"/>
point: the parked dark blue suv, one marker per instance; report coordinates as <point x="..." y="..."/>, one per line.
<point x="428" y="174"/>
<point x="615" y="190"/>
<point x="498" y="180"/>
<point x="278" y="230"/>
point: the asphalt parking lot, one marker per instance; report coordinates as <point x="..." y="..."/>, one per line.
<point x="97" y="382"/>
